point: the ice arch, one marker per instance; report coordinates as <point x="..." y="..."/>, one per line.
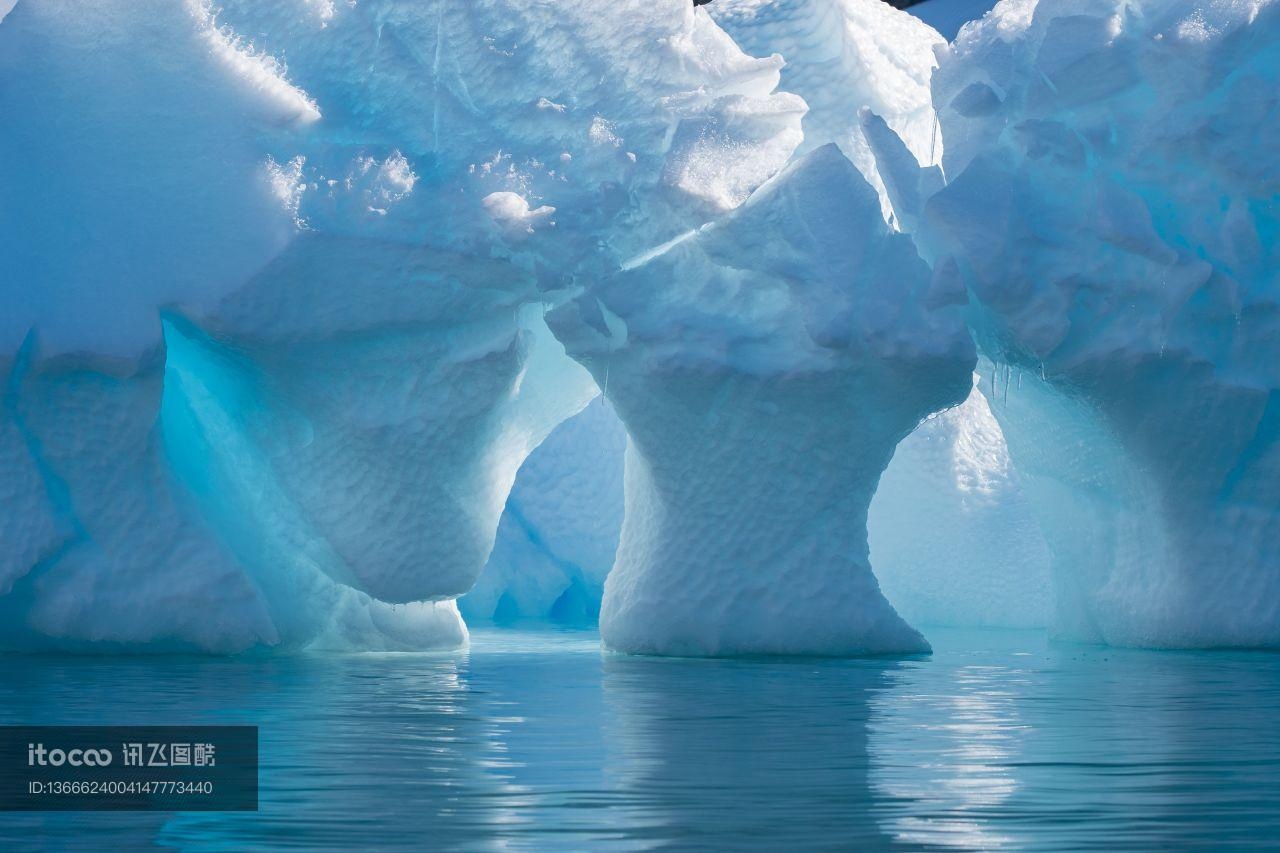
<point x="354" y="250"/>
<point x="811" y="340"/>
<point x="765" y="363"/>
<point x="953" y="539"/>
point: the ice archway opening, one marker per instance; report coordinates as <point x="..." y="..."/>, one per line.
<point x="953" y="540"/>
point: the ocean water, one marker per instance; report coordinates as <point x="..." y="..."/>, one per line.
<point x="999" y="740"/>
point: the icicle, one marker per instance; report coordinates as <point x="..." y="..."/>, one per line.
<point x="933" y="143"/>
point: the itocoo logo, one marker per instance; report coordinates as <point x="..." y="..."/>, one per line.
<point x="37" y="754"/>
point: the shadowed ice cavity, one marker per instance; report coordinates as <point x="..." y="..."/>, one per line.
<point x="954" y="539"/>
<point x="706" y="762"/>
<point x="952" y="536"/>
<point x="559" y="530"/>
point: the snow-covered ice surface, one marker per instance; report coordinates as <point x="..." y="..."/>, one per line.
<point x="841" y="56"/>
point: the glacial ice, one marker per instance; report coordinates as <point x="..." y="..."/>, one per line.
<point x="952" y="540"/>
<point x="949" y="499"/>
<point x="295" y="289"/>
<point x="842" y="56"/>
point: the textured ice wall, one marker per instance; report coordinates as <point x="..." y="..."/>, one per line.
<point x="952" y="537"/>
<point x="765" y="365"/>
<point x="1112" y="208"/>
<point x="272" y="340"/>
<point x="333" y="210"/>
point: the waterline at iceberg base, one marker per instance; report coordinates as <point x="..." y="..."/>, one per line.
<point x="736" y="424"/>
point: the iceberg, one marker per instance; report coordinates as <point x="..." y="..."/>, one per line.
<point x="319" y="318"/>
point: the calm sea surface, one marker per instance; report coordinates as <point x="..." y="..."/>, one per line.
<point x="540" y="741"/>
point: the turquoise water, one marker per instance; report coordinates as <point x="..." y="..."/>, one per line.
<point x="539" y="741"/>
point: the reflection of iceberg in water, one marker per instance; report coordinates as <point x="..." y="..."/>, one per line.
<point x="706" y="761"/>
<point x="999" y="740"/>
<point x="546" y="787"/>
<point x="1005" y="740"/>
<point x="950" y="766"/>
<point x="358" y="752"/>
<point x="330" y="776"/>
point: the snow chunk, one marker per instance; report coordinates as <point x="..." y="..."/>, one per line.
<point x="512" y="214"/>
